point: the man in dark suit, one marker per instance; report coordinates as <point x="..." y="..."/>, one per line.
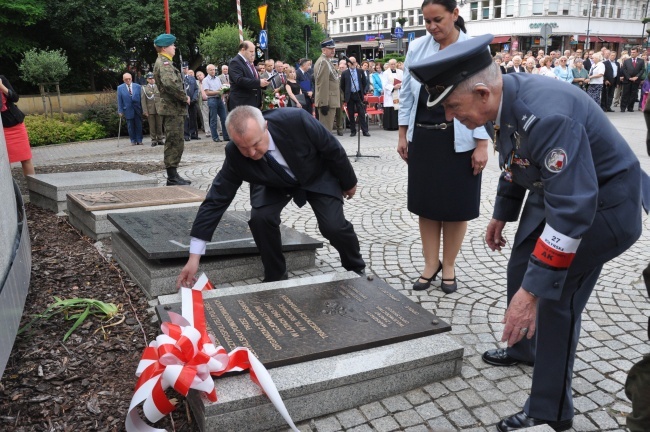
<point x="303" y="161"/>
<point x="582" y="200"/>
<point x="616" y="72"/>
<point x="191" y="129"/>
<point x="245" y="83"/>
<point x="516" y="66"/>
<point x="129" y="106"/>
<point x="632" y="70"/>
<point x="304" y="79"/>
<point x="352" y="84"/>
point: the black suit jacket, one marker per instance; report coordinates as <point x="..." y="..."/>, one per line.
<point x="587" y="65"/>
<point x="346" y="84"/>
<point x="609" y="72"/>
<point x="619" y="74"/>
<point x="630" y="71"/>
<point x="315" y="157"/>
<point x="244" y="86"/>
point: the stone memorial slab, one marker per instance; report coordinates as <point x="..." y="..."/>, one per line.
<point x="310" y="322"/>
<point x="319" y="387"/>
<point x="160" y="235"/>
<point x="88" y="211"/>
<point x="49" y="190"/>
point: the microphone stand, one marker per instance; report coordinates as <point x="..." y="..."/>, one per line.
<point x="360" y="111"/>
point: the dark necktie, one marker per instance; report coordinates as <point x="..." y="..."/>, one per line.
<point x="252" y="68"/>
<point x="299" y="196"/>
<point x="633" y="62"/>
<point x="130" y="92"/>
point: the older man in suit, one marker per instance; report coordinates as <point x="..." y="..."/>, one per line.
<point x="303" y="161"/>
<point x="584" y="204"/>
<point x="130" y="107"/>
<point x="353" y="81"/>
<point x="632" y="70"/>
<point x="245" y="83"/>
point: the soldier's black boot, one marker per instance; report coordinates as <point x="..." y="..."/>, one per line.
<point x="173" y="179"/>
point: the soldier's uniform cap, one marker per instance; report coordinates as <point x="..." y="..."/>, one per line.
<point x="443" y="71"/>
<point x="150" y="75"/>
<point x="186" y="65"/>
<point x="328" y="43"/>
<point x="164" y="40"/>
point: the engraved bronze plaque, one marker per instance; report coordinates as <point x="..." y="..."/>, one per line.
<point x="159" y="234"/>
<point x="131" y="198"/>
<point x="292" y="325"/>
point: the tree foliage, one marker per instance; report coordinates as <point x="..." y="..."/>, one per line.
<point x="17" y="17"/>
<point x="219" y="45"/>
<point x="44" y="66"/>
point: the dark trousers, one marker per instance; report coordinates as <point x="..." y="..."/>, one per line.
<point x="604" y="96"/>
<point x="191" y="125"/>
<point x="628" y="95"/>
<point x="355" y="106"/>
<point x="610" y="96"/>
<point x="553" y="348"/>
<point x="265" y="226"/>
<point x="134" y="125"/>
<point x="646" y="116"/>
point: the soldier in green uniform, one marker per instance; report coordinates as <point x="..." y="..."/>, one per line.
<point x="173" y="106"/>
<point x="150" y="98"/>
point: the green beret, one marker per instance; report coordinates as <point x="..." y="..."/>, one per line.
<point x="164" y="40"/>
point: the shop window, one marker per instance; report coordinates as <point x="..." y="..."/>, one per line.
<point x="473" y="11"/>
<point x="552" y="7"/>
<point x="523" y="8"/>
<point x="486" y="10"/>
<point x="497" y="8"/>
<point x="510" y="8"/>
<point x="538" y="7"/>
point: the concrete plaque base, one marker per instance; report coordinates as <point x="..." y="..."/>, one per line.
<point x="319" y="387"/>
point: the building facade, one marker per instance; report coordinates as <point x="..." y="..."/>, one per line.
<point x="516" y="24"/>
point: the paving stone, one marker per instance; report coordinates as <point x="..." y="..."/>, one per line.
<point x="582" y="423"/>
<point x="485" y="415"/>
<point x="600" y="398"/>
<point x="441" y="424"/>
<point x="418" y="428"/>
<point x="449" y="403"/>
<point x="327" y="424"/>
<point x="417" y="397"/>
<point x="350" y="418"/>
<point x="462" y="418"/>
<point x="408" y="418"/>
<point x="455" y="384"/>
<point x="470" y="398"/>
<point x="603" y="420"/>
<point x="396" y="403"/>
<point x="436" y="390"/>
<point x="373" y="410"/>
<point x="361" y="428"/>
<point x="584" y="404"/>
<point x="385" y="424"/>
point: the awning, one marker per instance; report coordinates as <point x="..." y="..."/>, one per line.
<point x="601" y="38"/>
<point x="500" y="39"/>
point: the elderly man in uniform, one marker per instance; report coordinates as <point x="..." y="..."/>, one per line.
<point x="585" y="189"/>
<point x="327" y="94"/>
<point x="173" y="107"/>
<point x="150" y="106"/>
<point x="303" y="161"/>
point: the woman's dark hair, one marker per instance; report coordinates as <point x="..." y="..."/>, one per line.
<point x="450" y="5"/>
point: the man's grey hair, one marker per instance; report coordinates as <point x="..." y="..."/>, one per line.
<point x="490" y="76"/>
<point x="237" y="120"/>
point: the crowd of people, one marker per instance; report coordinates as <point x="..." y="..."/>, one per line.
<point x="609" y="79"/>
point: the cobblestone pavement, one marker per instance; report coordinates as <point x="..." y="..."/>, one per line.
<point x="613" y="324"/>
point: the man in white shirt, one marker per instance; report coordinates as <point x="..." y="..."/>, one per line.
<point x="213" y="90"/>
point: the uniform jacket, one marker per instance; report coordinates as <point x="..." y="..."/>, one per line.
<point x="327" y="91"/>
<point x="630" y="71"/>
<point x="585" y="182"/>
<point x="191" y="88"/>
<point x="244" y="85"/>
<point x="170" y="85"/>
<point x="150" y="99"/>
<point x="347" y="85"/>
<point x="127" y="104"/>
<point x="315" y="157"/>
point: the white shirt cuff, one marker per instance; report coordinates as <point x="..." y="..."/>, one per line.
<point x="197" y="246"/>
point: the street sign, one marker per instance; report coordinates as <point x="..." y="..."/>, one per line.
<point x="263" y="39"/>
<point x="399" y="32"/>
<point x="262" y="12"/>
<point x="411" y="36"/>
<point x="381" y="46"/>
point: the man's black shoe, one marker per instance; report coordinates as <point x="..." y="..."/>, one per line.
<point x="153" y="144"/>
<point x="187" y="139"/>
<point x="361" y="272"/>
<point x="610" y="110"/>
<point x="366" y="134"/>
<point x="522" y="421"/>
<point x="339" y="133"/>
<point x="196" y="138"/>
<point x="216" y="140"/>
<point x="499" y="357"/>
<point x="285" y="276"/>
<point x="353" y="134"/>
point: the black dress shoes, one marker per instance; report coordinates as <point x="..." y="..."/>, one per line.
<point x="367" y="134"/>
<point x="353" y="134"/>
<point x="339" y="133"/>
<point x="421" y="286"/>
<point x="499" y="357"/>
<point x="285" y="276"/>
<point x="449" y="286"/>
<point x="522" y="421"/>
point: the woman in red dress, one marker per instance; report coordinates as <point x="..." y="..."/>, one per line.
<point x="15" y="132"/>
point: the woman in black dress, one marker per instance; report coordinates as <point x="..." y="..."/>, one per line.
<point x="445" y="159"/>
<point x="293" y="88"/>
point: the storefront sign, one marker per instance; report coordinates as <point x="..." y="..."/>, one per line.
<point x="539" y="25"/>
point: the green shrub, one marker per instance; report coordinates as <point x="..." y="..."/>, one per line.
<point x="103" y="111"/>
<point x="88" y="130"/>
<point x="44" y="130"/>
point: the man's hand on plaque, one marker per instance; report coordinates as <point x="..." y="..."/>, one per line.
<point x="187" y="278"/>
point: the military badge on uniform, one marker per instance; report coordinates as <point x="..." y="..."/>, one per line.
<point x="166" y="63"/>
<point x="556" y="160"/>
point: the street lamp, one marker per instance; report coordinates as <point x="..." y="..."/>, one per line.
<point x="327" y="12"/>
<point x="378" y="19"/>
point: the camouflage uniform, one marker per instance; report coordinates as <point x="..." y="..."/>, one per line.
<point x="151" y="106"/>
<point x="173" y="108"/>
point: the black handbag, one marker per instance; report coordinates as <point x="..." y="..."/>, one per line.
<point x="301" y="99"/>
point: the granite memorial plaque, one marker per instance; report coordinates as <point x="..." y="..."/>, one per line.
<point x="129" y="198"/>
<point x="163" y="235"/>
<point x="294" y="325"/>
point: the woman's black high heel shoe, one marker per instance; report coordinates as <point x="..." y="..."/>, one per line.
<point x="421" y="286"/>
<point x="449" y="288"/>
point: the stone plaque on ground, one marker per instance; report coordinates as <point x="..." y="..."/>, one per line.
<point x="49" y="190"/>
<point x="161" y="235"/>
<point x="309" y="322"/>
<point x="144" y="197"/>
